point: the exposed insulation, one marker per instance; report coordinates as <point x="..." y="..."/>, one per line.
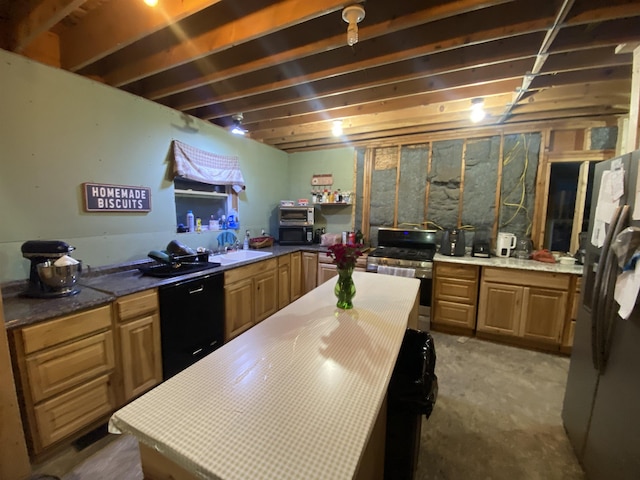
<point x="444" y="192"/>
<point x="413" y="184"/>
<point x="385" y="158"/>
<point x="481" y="180"/>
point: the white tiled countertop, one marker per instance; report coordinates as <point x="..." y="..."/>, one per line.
<point x="511" y="263"/>
<point x="296" y="396"/>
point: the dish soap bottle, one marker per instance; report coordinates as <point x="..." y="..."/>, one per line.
<point x="245" y="245"/>
<point x="190" y="221"/>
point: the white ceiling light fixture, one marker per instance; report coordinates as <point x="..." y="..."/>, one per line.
<point x="237" y="128"/>
<point x="336" y="129"/>
<point x="477" y="110"/>
<point x="353" y="14"/>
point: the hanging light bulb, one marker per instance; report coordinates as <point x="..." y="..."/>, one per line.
<point x="337" y="128"/>
<point x="477" y="110"/>
<point x="151" y="3"/>
<point x="353" y="14"/>
<point x="237" y="128"/>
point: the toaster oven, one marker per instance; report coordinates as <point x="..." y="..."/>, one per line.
<point x="296" y="216"/>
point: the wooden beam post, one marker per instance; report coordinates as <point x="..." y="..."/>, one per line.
<point x="633" y="138"/>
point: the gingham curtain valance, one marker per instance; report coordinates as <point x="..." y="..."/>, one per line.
<point x="195" y="164"/>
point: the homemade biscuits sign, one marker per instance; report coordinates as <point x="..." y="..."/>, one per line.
<point x="322" y="179"/>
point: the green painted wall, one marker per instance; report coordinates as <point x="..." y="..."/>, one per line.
<point x="340" y="163"/>
<point x="60" y="130"/>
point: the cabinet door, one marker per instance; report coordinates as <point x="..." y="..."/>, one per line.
<point x="284" y="286"/>
<point x="265" y="294"/>
<point x="238" y="305"/>
<point x="140" y="355"/>
<point x="544" y="314"/>
<point x="500" y="308"/>
<point x="309" y="271"/>
<point x="295" y="268"/>
<point x="326" y="271"/>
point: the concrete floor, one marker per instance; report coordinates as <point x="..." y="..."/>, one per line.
<point x="497" y="417"/>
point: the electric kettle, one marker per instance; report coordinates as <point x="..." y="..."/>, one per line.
<point x="505" y="243"/>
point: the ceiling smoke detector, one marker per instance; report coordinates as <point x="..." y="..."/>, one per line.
<point x="353" y="14"/>
<point x="237" y="128"/>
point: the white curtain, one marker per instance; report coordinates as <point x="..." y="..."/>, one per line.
<point x="195" y="164"/>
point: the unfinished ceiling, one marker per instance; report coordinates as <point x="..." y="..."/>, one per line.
<point x="286" y="66"/>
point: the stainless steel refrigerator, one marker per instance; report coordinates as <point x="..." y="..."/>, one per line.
<point x="601" y="411"/>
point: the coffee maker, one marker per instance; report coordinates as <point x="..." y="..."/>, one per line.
<point x="47" y="280"/>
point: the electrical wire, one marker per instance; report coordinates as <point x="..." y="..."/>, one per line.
<point x="521" y="183"/>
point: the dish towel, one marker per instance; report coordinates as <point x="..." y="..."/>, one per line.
<point x="397" y="271"/>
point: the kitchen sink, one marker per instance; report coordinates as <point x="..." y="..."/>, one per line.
<point x="237" y="256"/>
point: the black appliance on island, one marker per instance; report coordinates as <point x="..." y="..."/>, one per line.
<point x="408" y="253"/>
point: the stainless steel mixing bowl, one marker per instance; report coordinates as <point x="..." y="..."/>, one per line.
<point x="59" y="277"/>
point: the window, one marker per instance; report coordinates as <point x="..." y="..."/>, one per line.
<point x="569" y="204"/>
<point x="206" y="201"/>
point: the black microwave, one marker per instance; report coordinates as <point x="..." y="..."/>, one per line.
<point x="295" y="235"/>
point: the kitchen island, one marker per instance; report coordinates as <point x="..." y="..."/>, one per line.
<point x="300" y="395"/>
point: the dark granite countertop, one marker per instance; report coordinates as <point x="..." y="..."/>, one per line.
<point x="103" y="285"/>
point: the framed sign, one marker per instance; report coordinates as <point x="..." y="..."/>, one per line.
<point x="99" y="197"/>
<point x="322" y="179"/>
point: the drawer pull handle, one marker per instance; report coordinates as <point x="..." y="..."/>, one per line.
<point x="197" y="351"/>
<point x="197" y="290"/>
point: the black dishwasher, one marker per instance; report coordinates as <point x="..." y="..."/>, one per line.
<point x="191" y="321"/>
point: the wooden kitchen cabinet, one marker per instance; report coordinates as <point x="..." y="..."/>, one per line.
<point x="327" y="269"/>
<point x="284" y="281"/>
<point x="64" y="369"/>
<point x="139" y="344"/>
<point x="250" y="294"/>
<point x="295" y="268"/>
<point x="570" y="325"/>
<point x="527" y="306"/>
<point x="455" y="294"/>
<point x="309" y="271"/>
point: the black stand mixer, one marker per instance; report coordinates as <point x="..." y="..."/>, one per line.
<point x="47" y="280"/>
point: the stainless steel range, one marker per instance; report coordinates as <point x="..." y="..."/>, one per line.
<point x="406" y="253"/>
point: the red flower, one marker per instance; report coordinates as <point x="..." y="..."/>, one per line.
<point x="345" y="255"/>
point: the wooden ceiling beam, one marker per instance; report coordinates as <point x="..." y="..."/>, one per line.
<point x="581" y="76"/>
<point x="367" y="31"/>
<point x="412" y="92"/>
<point x="367" y="113"/>
<point x="603" y="13"/>
<point x="349" y="89"/>
<point x="41" y="18"/>
<point x="434" y="106"/>
<point x="480" y="55"/>
<point x="117" y="24"/>
<point x="272" y="18"/>
<point x="369" y="56"/>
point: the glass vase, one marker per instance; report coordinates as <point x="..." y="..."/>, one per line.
<point x="345" y="289"/>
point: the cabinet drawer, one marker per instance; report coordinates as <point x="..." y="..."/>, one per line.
<point x="70" y="412"/>
<point x="136" y="305"/>
<point x="510" y="276"/>
<point x="284" y="260"/>
<point x="456" y="271"/>
<point x="240" y="273"/>
<point x="53" y="371"/>
<point x="48" y="334"/>
<point x="451" y="313"/>
<point x="455" y="290"/>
